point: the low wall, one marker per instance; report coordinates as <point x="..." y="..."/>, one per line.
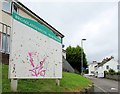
<point x="113" y="77"/>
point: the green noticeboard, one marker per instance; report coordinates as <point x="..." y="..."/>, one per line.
<point x="36" y="26"/>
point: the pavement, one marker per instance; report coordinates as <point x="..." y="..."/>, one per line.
<point x="105" y="86"/>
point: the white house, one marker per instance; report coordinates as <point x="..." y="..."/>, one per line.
<point x="91" y="68"/>
<point x="108" y="63"/>
<point x="64" y="53"/>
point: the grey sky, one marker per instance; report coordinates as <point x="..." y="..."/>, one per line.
<point x="95" y="21"/>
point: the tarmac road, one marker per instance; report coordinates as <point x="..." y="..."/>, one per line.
<point x="105" y="86"/>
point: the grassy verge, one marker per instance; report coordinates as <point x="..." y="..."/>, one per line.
<point x="69" y="83"/>
<point x="0" y="77"/>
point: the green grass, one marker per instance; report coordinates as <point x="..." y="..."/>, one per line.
<point x="0" y="77"/>
<point x="70" y="82"/>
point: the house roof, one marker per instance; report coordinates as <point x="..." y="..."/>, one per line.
<point x="105" y="61"/>
<point x="64" y="50"/>
<point x="50" y="26"/>
<point x="94" y="62"/>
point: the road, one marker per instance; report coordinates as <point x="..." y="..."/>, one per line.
<point x="105" y="85"/>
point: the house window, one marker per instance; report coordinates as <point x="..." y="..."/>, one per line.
<point x="7" y="6"/>
<point x="3" y="42"/>
<point x="118" y="67"/>
<point x="92" y="71"/>
<point x="0" y="27"/>
<point x="8" y="44"/>
<point x="5" y="39"/>
<point x="15" y="9"/>
<point x="0" y="41"/>
<point x="107" y="67"/>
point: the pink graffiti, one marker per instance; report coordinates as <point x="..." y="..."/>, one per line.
<point x="37" y="70"/>
<point x="31" y="59"/>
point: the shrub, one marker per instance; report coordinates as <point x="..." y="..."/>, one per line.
<point x="111" y="72"/>
<point x="106" y="73"/>
<point x="118" y="73"/>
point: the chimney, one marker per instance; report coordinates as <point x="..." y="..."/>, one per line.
<point x="112" y="57"/>
<point x="94" y="61"/>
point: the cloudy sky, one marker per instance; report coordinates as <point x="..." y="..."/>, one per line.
<point x="95" y="20"/>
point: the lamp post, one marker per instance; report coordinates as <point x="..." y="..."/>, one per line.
<point x="82" y="55"/>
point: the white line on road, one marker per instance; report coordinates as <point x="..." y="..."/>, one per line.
<point x="100" y="88"/>
<point x="113" y="88"/>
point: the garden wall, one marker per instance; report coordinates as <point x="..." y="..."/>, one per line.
<point x="113" y="77"/>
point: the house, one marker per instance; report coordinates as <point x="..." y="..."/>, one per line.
<point x="6" y="9"/>
<point x="105" y="65"/>
<point x="64" y="53"/>
<point x="91" y="67"/>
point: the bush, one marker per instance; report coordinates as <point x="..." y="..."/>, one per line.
<point x="106" y="73"/>
<point x="118" y="73"/>
<point x="111" y="72"/>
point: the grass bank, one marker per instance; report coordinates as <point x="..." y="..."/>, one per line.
<point x="69" y="83"/>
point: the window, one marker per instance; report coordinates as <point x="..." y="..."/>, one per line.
<point x="118" y="67"/>
<point x="0" y="27"/>
<point x="3" y="42"/>
<point x="107" y="67"/>
<point x="15" y="9"/>
<point x="4" y="29"/>
<point x="5" y="39"/>
<point x="92" y="71"/>
<point x="8" y="44"/>
<point x="8" y="30"/>
<point x="0" y="41"/>
<point x="7" y="6"/>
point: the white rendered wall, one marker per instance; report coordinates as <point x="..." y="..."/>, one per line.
<point x="112" y="65"/>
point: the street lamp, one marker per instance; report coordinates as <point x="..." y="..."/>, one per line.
<point x="82" y="55"/>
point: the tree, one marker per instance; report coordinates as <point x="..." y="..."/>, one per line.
<point x="73" y="56"/>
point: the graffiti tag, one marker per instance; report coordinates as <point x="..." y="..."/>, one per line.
<point x="37" y="70"/>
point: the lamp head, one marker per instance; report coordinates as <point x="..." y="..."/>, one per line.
<point x="83" y="39"/>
